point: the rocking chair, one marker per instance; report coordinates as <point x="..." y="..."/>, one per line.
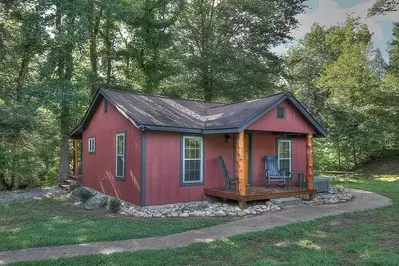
<point x="273" y="173"/>
<point x="229" y="177"/>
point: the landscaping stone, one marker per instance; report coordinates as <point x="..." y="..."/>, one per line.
<point x="196" y="209"/>
<point x="212" y="208"/>
<point x="96" y="202"/>
<point x="335" y="195"/>
<point x="286" y="201"/>
<point x="220" y="213"/>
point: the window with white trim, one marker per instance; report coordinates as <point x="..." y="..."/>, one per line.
<point x="120" y="155"/>
<point x="284" y="154"/>
<point x="192" y="159"/>
<point x="92" y="145"/>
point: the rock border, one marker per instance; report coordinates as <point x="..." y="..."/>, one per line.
<point x="203" y="208"/>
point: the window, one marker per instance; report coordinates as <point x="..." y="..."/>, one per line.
<point x="192" y="164"/>
<point x="284" y="154"/>
<point x="120" y="155"/>
<point x="92" y="145"/>
<point x="280" y="112"/>
<point x="105" y="106"/>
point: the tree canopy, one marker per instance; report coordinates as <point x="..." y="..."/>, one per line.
<point x="55" y="54"/>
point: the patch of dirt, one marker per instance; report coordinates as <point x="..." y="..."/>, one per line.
<point x="344" y="221"/>
<point x="388" y="241"/>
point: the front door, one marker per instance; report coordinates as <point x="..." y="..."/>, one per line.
<point x="284" y="154"/>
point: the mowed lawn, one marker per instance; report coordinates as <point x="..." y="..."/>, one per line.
<point x="363" y="238"/>
<point x="57" y="221"/>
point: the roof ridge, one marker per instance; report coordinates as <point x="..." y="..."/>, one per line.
<point x="263" y="97"/>
<point x="162" y="96"/>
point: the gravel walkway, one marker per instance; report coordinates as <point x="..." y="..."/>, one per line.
<point x="20" y="195"/>
<point x="364" y="200"/>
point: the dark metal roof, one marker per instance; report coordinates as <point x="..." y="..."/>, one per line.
<point x="167" y="114"/>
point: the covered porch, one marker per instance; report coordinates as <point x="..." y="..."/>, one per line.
<point x="258" y="193"/>
<point x="247" y="187"/>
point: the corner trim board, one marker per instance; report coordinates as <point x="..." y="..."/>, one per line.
<point x="251" y="158"/>
<point x="143" y="167"/>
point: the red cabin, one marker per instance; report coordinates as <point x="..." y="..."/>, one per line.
<point x="151" y="150"/>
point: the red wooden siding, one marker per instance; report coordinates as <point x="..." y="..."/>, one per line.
<point x="163" y="164"/>
<point x="293" y="122"/>
<point x="99" y="169"/>
<point x="163" y="167"/>
<point x="264" y="144"/>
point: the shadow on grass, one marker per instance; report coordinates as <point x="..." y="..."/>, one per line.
<point x="57" y="221"/>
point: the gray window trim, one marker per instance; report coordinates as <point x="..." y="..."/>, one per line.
<point x="182" y="160"/>
<point x="105" y="106"/>
<point x="121" y="133"/>
<point x="281" y="108"/>
<point x="91" y="152"/>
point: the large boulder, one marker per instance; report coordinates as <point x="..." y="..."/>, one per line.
<point x="96" y="202"/>
<point x="82" y="194"/>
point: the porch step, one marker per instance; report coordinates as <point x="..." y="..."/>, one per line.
<point x="286" y="201"/>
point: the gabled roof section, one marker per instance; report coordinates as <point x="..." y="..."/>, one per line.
<point x="179" y="115"/>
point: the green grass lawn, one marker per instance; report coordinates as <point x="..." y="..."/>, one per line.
<point x="57" y="221"/>
<point x="362" y="238"/>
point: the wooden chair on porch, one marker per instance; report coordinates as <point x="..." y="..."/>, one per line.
<point x="273" y="173"/>
<point x="229" y="177"/>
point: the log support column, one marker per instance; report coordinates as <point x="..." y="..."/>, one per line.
<point x="240" y="167"/>
<point x="75" y="158"/>
<point x="309" y="165"/>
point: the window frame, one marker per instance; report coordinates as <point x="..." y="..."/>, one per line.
<point x="91" y="151"/>
<point x="290" y="153"/>
<point x="118" y="134"/>
<point x="183" y="160"/>
<point x="105" y="106"/>
<point x="283" y="110"/>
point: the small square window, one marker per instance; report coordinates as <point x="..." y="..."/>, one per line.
<point x="280" y="112"/>
<point x="92" y="145"/>
<point x="105" y="106"/>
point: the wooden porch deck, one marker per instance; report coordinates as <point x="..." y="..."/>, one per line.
<point x="258" y="193"/>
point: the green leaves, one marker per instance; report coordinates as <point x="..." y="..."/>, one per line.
<point x="340" y="79"/>
<point x="381" y="7"/>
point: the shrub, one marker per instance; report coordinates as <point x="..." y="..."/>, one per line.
<point x="50" y="177"/>
<point x="86" y="194"/>
<point x="114" y="205"/>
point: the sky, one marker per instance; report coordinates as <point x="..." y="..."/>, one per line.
<point x="331" y="12"/>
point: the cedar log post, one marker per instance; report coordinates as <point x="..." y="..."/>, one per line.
<point x="309" y="164"/>
<point x="241" y="182"/>
<point x="75" y="158"/>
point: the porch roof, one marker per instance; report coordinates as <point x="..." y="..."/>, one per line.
<point x="166" y="114"/>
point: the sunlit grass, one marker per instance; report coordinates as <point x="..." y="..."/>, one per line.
<point x="361" y="238"/>
<point x="57" y="221"/>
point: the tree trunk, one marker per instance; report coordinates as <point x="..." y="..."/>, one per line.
<point x="354" y="153"/>
<point x="65" y="73"/>
<point x="339" y="153"/>
<point x="108" y="47"/>
<point x="94" y="25"/>
<point x="23" y="72"/>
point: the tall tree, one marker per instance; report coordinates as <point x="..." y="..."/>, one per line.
<point x="394" y="51"/>
<point x="378" y="64"/>
<point x="94" y="12"/>
<point x="225" y="46"/>
<point x="336" y="74"/>
<point x="381" y="7"/>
